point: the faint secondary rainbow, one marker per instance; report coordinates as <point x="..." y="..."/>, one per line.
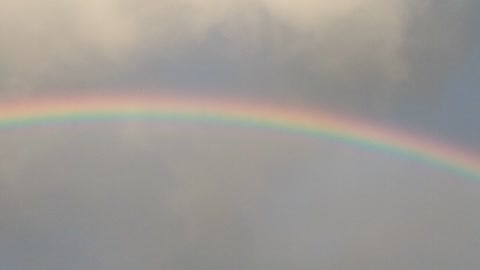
<point x="17" y="114"/>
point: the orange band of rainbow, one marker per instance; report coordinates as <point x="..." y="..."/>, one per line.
<point x="319" y="124"/>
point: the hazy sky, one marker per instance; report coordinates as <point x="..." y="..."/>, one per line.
<point x="138" y="195"/>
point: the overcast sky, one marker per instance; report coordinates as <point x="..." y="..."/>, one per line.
<point x="138" y="195"/>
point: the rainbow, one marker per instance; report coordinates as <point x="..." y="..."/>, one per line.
<point x="324" y="125"/>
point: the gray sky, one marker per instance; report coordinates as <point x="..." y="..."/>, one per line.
<point x="186" y="196"/>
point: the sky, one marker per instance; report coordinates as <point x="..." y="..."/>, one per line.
<point x="138" y="195"/>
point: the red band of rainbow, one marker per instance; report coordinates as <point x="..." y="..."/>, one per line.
<point x="317" y="124"/>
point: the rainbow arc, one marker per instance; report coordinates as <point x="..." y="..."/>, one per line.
<point x="323" y="125"/>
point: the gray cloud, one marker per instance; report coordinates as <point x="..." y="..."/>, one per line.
<point x="181" y="196"/>
<point x="359" y="54"/>
<point x="185" y="197"/>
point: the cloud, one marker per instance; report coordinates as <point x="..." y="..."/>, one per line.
<point x="133" y="196"/>
<point x="342" y="51"/>
<point x="208" y="198"/>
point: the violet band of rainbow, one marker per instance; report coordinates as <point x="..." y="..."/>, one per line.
<point x="323" y="125"/>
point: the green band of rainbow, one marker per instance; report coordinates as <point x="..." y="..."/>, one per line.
<point x="319" y="124"/>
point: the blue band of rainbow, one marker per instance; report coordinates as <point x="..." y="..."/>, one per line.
<point x="323" y="125"/>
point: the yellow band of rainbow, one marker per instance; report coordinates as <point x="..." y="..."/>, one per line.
<point x="323" y="125"/>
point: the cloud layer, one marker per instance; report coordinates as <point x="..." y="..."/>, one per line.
<point x="362" y="50"/>
<point x="136" y="196"/>
<point x="190" y="198"/>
